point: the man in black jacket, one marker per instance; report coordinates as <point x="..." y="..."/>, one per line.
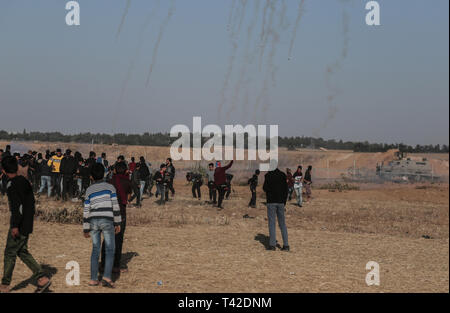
<point x="197" y="182"/>
<point x="68" y="169"/>
<point x="275" y="186"/>
<point x="21" y="205"/>
<point x="171" y="174"/>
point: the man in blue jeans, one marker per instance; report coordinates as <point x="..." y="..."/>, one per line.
<point x="276" y="189"/>
<point x="46" y="176"/>
<point x="101" y="215"/>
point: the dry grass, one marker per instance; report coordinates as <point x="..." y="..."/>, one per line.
<point x="191" y="247"/>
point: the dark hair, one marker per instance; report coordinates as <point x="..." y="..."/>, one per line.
<point x="121" y="167"/>
<point x="39" y="156"/>
<point x="98" y="171"/>
<point x="132" y="159"/>
<point x="91" y="154"/>
<point x="142" y="159"/>
<point x="300" y="167"/>
<point x="121" y="157"/>
<point x="170" y="160"/>
<point x="211" y="164"/>
<point x="257" y="172"/>
<point x="58" y="150"/>
<point x="10" y="165"/>
<point x="8" y="147"/>
<point x="103" y="155"/>
<point x="162" y="166"/>
<point x="310" y="168"/>
<point x="78" y="156"/>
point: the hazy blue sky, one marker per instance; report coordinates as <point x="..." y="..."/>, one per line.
<point x="391" y="87"/>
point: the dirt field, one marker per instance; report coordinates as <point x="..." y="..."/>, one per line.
<point x="189" y="246"/>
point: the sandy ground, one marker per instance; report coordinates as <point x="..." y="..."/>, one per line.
<point x="189" y="246"/>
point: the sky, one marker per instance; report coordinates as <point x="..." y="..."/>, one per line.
<point x="386" y="83"/>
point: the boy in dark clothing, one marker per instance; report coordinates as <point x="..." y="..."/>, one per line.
<point x="162" y="180"/>
<point x="211" y="185"/>
<point x="21" y="205"/>
<point x="220" y="180"/>
<point x="229" y="178"/>
<point x="135" y="184"/>
<point x="253" y="182"/>
<point x="68" y="169"/>
<point x="197" y="182"/>
<point x="144" y="173"/>
<point x="122" y="183"/>
<point x="171" y="173"/>
<point x="308" y="181"/>
<point x="46" y="176"/>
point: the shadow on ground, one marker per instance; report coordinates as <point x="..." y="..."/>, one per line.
<point x="48" y="270"/>
<point x="265" y="241"/>
<point x="126" y="258"/>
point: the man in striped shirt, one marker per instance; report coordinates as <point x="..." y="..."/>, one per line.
<point x="101" y="215"/>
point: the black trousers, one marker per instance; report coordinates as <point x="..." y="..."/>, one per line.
<point x="212" y="192"/>
<point x="228" y="191"/>
<point x="36" y="180"/>
<point x="136" y="194"/>
<point x="119" y="244"/>
<point x="67" y="186"/>
<point x="253" y="199"/>
<point x="56" y="183"/>
<point x="4" y="183"/>
<point x="170" y="187"/>
<point x="221" y="189"/>
<point x="196" y="190"/>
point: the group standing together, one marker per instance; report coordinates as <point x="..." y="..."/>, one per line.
<point x="106" y="190"/>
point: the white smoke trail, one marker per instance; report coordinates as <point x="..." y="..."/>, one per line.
<point x="131" y="66"/>
<point x="162" y="29"/>
<point x="243" y="80"/>
<point x="272" y="33"/>
<point x="234" y="43"/>
<point x="297" y="23"/>
<point x="124" y="16"/>
<point x="266" y="33"/>
<point x="331" y="71"/>
<point x="230" y="18"/>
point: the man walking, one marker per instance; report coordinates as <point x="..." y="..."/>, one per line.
<point x="220" y="181"/>
<point x="171" y="174"/>
<point x="22" y="207"/>
<point x="298" y="185"/>
<point x="253" y="182"/>
<point x="275" y="187"/>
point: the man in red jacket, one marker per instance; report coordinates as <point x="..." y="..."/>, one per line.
<point x="122" y="183"/>
<point x="220" y="181"/>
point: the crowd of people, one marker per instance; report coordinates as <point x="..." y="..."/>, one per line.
<point x="106" y="190"/>
<point x="67" y="176"/>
